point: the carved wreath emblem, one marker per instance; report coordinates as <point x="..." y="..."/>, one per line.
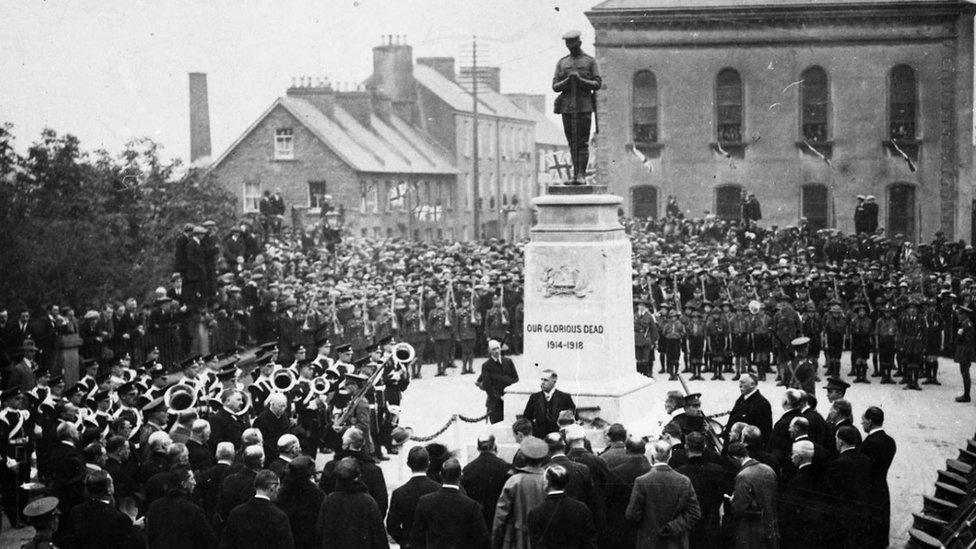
<point x="563" y="281"/>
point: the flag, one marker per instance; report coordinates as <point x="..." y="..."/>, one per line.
<point x="645" y="161"/>
<point x="817" y="153"/>
<point x="911" y="165"/>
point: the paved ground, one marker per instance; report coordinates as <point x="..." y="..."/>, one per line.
<point x="927" y="426"/>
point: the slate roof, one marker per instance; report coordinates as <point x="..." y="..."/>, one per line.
<point x="387" y="146"/>
<point x="459" y="98"/>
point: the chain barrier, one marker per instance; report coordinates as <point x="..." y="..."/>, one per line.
<point x="453" y="419"/>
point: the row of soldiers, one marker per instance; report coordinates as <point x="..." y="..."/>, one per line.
<point x="737" y="337"/>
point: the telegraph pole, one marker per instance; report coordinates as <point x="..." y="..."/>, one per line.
<point x="475" y="178"/>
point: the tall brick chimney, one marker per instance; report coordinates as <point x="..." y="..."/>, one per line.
<point x="443" y="65"/>
<point x="199" y="117"/>
<point x="393" y="75"/>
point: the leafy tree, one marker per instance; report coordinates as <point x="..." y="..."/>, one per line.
<point x="81" y="228"/>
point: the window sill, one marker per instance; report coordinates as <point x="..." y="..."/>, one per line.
<point x="649" y="148"/>
<point x="276" y="159"/>
<point x="730" y="148"/>
<point x="826" y="148"/>
<point x="910" y="147"/>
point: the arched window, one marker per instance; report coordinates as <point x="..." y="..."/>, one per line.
<point x="903" y="99"/>
<point x="815" y="98"/>
<point x="901" y="210"/>
<point x="729" y="106"/>
<point x="815" y="206"/>
<point x="643" y="202"/>
<point x="645" y="107"/>
<point x="728" y="202"/>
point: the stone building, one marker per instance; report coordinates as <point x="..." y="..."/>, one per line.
<point x="805" y="103"/>
<point x="395" y="152"/>
<point x="386" y="177"/>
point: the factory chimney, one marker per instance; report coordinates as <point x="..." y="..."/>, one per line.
<point x="199" y="117"/>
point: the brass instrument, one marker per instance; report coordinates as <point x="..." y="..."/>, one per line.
<point x="394" y="325"/>
<point x="336" y="326"/>
<point x="403" y="353"/>
<point x="318" y="387"/>
<point x="180" y="398"/>
<point x="504" y="313"/>
<point x="474" y="312"/>
<point x="448" y="302"/>
<point x="420" y="306"/>
<point x="367" y="328"/>
<point x="283" y="380"/>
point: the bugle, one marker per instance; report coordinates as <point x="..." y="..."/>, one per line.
<point x="708" y="424"/>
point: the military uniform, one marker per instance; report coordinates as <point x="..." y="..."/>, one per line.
<point x="886" y="330"/>
<point x="695" y="333"/>
<point x="442" y="334"/>
<point x="576" y="103"/>
<point x="645" y="339"/>
<point x="466" y="323"/>
<point x="835" y="328"/>
<point x="862" y="330"/>
<point x="717" y="335"/>
<point x="673" y="334"/>
<point x="911" y="328"/>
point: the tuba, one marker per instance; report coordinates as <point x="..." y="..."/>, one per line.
<point x="320" y="386"/>
<point x="403" y="353"/>
<point x="180" y="398"/>
<point x="283" y="380"/>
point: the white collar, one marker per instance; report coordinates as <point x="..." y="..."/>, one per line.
<point x="226" y="462"/>
<point x="262" y="496"/>
<point x="848" y="449"/>
<point x="750" y="393"/>
<point x="877" y="430"/>
<point x="549" y="394"/>
<point x="660" y="464"/>
<point x="418" y="475"/>
<point x="285" y="458"/>
<point x="451" y="486"/>
<point x="803" y="465"/>
<point x="556" y="492"/>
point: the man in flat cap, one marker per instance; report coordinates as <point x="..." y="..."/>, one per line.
<point x="576" y="80"/>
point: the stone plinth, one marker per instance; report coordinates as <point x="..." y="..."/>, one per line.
<point x="579" y="318"/>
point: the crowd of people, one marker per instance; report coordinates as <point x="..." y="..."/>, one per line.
<point x="264" y="340"/>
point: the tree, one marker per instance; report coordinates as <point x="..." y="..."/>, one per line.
<point x="81" y="229"/>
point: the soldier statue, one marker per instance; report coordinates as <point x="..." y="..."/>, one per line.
<point x="577" y="80"/>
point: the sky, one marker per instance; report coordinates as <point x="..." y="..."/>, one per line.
<point x="110" y="71"/>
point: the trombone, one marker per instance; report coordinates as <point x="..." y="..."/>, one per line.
<point x="403" y="354"/>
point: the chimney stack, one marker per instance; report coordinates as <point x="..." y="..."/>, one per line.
<point x="199" y="117"/>
<point x="393" y="74"/>
<point x="443" y="65"/>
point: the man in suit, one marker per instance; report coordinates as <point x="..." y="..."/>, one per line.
<point x="201" y="456"/>
<point x="288" y="332"/>
<point x="622" y="533"/>
<point x="238" y="488"/>
<point x="118" y="465"/>
<point x="880" y="450"/>
<point x="663" y="503"/>
<point x="847" y="479"/>
<point x="543" y="407"/>
<point x="195" y="277"/>
<point x="616" y="451"/>
<point x="841" y="415"/>
<point x="403" y="502"/>
<point x="368" y="472"/>
<point x="273" y="422"/>
<point x="209" y="480"/>
<point x="804" y="520"/>
<point x="710" y="481"/>
<point x="497" y="373"/>
<point x="752" y="514"/>
<point x="447" y="517"/>
<point x="228" y="424"/>
<point x="67" y="469"/>
<point x="780" y="442"/>
<point x="581" y="485"/>
<point x="46" y="332"/>
<point x="561" y="521"/>
<point x="258" y="523"/>
<point x="175" y="520"/>
<point x="289" y="448"/>
<point x="751" y="408"/>
<point x="484" y="478"/>
<point x="752" y="438"/>
<point x="817" y="423"/>
<point x="599" y="472"/>
<point x="97" y="523"/>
